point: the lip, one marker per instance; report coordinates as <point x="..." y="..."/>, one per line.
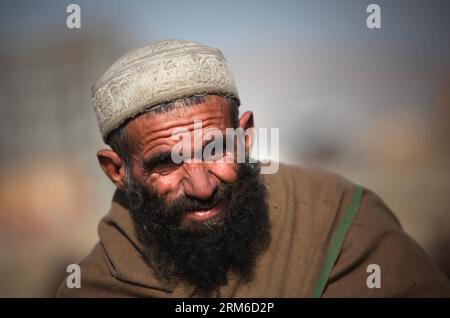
<point x="202" y="215"/>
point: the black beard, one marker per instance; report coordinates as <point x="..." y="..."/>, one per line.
<point x="203" y="253"/>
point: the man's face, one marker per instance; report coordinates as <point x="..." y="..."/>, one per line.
<point x="152" y="140"/>
<point x="198" y="219"/>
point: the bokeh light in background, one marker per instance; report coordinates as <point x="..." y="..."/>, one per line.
<point x="373" y="105"/>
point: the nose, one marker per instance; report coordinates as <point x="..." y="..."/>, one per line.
<point x="199" y="183"/>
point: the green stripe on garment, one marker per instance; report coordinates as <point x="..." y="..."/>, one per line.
<point x="337" y="241"/>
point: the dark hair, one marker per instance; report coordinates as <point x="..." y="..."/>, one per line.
<point x="118" y="138"/>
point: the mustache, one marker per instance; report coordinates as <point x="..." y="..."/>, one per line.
<point x="195" y="204"/>
<point x="183" y="204"/>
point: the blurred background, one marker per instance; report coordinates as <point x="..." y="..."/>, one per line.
<point x="370" y="104"/>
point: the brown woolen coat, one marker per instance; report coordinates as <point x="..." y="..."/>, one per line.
<point x="306" y="207"/>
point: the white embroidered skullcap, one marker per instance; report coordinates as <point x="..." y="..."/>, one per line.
<point x="157" y="73"/>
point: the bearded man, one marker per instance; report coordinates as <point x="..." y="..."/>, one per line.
<point x="220" y="228"/>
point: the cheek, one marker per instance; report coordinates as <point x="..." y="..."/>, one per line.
<point x="163" y="185"/>
<point x="225" y="172"/>
<point x="167" y="186"/>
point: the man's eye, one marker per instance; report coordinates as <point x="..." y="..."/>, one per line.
<point x="166" y="163"/>
<point x="165" y="166"/>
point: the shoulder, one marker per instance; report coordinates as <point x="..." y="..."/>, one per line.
<point x="306" y="206"/>
<point x="93" y="271"/>
<point x="115" y="266"/>
<point x="95" y="276"/>
<point x="316" y="196"/>
<point x="377" y="238"/>
<point x="313" y="185"/>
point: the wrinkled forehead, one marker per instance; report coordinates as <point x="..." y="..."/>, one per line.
<point x="152" y="131"/>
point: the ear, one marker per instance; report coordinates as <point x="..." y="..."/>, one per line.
<point x="112" y="166"/>
<point x="247" y="124"/>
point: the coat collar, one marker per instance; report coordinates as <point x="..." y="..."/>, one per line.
<point x="123" y="250"/>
